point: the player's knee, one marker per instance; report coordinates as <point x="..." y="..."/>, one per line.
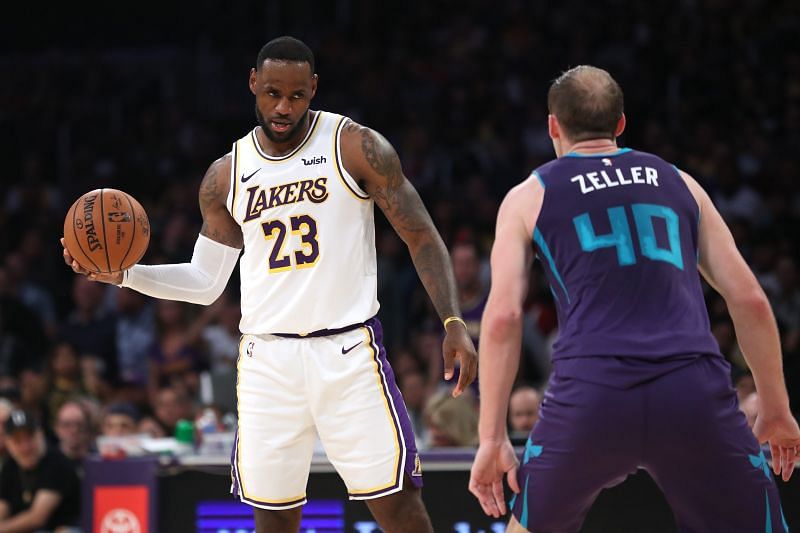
<point x="287" y="521"/>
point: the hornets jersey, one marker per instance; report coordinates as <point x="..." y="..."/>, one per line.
<point x="309" y="244"/>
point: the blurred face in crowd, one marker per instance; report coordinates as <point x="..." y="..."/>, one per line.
<point x="26" y="447"/>
<point x="523" y="409"/>
<point x="466" y="266"/>
<point x="414" y="390"/>
<point x="65" y="362"/>
<point x="118" y="425"/>
<point x="170" y="407"/>
<point x="283" y="91"/>
<point x="72" y="428"/>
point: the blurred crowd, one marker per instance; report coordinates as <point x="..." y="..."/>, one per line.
<point x="460" y="93"/>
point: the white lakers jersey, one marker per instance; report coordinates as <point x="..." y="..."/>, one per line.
<point x="309" y="235"/>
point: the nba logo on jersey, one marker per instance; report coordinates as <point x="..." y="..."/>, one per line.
<point x="606" y="161"/>
<point x="250" y="346"/>
<point x="417" y="466"/>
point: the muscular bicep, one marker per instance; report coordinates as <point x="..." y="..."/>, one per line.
<point x="218" y="224"/>
<point x="720" y="262"/>
<point x="372" y="160"/>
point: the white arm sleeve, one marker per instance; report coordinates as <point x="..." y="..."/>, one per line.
<point x="198" y="282"/>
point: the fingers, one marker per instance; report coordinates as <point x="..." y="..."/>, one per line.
<point x="469" y="371"/>
<point x="788" y="458"/>
<point x="499" y="497"/>
<point x="449" y="357"/>
<point x="776" y="458"/>
<point x="485" y="497"/>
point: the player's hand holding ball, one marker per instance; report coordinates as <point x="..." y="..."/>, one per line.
<point x="106" y="231"/>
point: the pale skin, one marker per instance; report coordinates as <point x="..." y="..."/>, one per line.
<point x="721" y="265"/>
<point x="283" y="91"/>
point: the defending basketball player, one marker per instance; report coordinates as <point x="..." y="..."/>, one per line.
<point x="638" y="381"/>
<point x="297" y="193"/>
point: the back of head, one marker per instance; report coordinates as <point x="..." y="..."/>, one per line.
<point x="587" y="102"/>
<point x="285" y="48"/>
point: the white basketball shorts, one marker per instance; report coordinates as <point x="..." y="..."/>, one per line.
<point x="339" y="386"/>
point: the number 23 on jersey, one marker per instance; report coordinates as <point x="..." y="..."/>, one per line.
<point x="305" y="256"/>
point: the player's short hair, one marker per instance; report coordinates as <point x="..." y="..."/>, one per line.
<point x="587" y="102"/>
<point x="285" y="48"/>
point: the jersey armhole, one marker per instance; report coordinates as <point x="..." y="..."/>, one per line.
<point x="347" y="180"/>
<point x="230" y="201"/>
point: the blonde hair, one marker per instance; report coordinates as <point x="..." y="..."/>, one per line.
<point x="456" y="417"/>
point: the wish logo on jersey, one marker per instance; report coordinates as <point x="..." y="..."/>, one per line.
<point x="314" y="190"/>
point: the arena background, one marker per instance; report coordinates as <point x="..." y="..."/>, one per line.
<point x="143" y="96"/>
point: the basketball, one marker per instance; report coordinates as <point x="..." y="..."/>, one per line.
<point x="106" y="231"/>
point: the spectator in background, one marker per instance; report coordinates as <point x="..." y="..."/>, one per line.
<point x="412" y="387"/>
<point x="523" y="412"/>
<point x="34" y="296"/>
<point x="91" y="331"/>
<point x="74" y="430"/>
<point x="171" y="404"/>
<point x="472" y="292"/>
<point x="451" y="421"/>
<point x="39" y="488"/>
<point x="120" y="419"/>
<point x="65" y="377"/>
<point x="218" y="326"/>
<point x="22" y="344"/>
<point x="174" y="357"/>
<point x="135" y="335"/>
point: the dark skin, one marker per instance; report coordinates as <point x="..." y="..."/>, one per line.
<point x="283" y="92"/>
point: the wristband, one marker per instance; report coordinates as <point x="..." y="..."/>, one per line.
<point x="454" y="319"/>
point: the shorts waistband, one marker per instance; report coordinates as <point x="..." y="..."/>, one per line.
<point x="320" y="332"/>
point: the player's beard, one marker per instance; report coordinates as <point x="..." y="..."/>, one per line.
<point x="284" y="137"/>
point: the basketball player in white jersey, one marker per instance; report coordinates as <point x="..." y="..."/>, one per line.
<point x="297" y="193"/>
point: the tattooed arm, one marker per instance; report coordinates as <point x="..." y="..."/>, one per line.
<point x="218" y="224"/>
<point x="372" y="160"/>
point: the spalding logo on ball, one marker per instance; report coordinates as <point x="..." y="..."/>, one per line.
<point x="106" y="231"/>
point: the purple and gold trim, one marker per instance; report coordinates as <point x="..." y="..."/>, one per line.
<point x="354" y="189"/>
<point x="234" y="173"/>
<point x="405" y="449"/>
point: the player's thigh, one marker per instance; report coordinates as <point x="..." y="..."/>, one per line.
<point x="360" y="415"/>
<point x="586" y="439"/>
<point x="275" y="436"/>
<point x="703" y="455"/>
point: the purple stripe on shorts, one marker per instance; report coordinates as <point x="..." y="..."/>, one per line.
<point x="400" y="417"/>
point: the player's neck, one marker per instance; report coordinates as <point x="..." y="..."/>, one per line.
<point x="279" y="149"/>
<point x="592" y="147"/>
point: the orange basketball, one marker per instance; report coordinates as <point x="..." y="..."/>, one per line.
<point x="106" y="231"/>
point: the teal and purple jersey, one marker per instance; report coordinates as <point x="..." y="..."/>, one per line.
<point x="617" y="236"/>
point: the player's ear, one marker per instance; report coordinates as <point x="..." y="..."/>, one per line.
<point x="553" y="128"/>
<point x="252" y="81"/>
<point x="620" y="126"/>
<point x="314" y="80"/>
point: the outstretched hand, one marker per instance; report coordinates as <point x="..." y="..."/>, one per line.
<point x="783" y="435"/>
<point x="458" y="345"/>
<point x="113" y="278"/>
<point x="486" y="478"/>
